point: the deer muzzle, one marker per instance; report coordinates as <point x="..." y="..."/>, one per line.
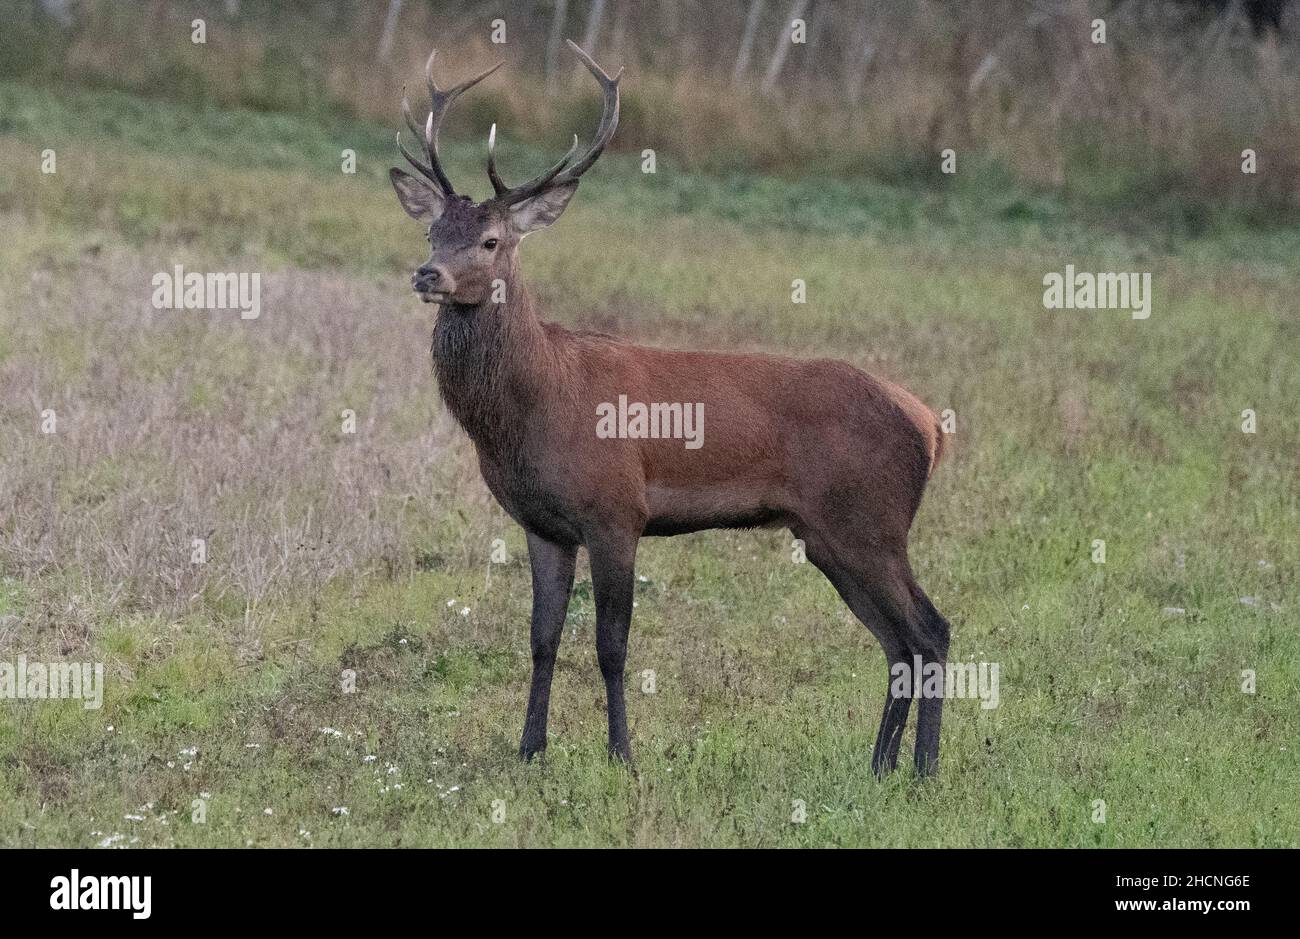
<point x="433" y="284"/>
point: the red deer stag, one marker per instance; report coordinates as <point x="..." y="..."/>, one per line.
<point x="838" y="456"/>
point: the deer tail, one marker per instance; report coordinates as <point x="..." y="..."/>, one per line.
<point x="923" y="419"/>
<point x="936" y="443"/>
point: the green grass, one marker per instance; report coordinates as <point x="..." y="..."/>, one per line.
<point x="1072" y="426"/>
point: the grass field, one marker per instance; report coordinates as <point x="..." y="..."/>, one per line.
<point x="372" y="551"/>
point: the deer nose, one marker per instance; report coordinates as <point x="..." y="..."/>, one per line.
<point x="428" y="277"/>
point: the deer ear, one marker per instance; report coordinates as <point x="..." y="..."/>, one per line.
<point x="542" y="209"/>
<point x="420" y="200"/>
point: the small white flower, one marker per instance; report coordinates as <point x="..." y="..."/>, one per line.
<point x="340" y="810"/>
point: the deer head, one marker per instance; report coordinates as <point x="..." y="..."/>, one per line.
<point x="474" y="243"/>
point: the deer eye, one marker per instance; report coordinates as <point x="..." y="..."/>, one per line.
<point x="490" y="244"/>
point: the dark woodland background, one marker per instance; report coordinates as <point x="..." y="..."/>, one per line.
<point x="1153" y="120"/>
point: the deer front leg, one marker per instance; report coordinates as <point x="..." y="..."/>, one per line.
<point x="552" y="566"/>
<point x="612" y="563"/>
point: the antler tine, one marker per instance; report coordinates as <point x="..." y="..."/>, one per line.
<point x="415" y="161"/>
<point x="411" y="124"/>
<point x="425" y="170"/>
<point x="564" y="171"/>
<point x="508" y="195"/>
<point x="608" y="117"/>
<point x="439" y="102"/>
<point x="498" y="185"/>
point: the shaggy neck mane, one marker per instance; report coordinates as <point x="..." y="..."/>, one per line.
<point x="496" y="367"/>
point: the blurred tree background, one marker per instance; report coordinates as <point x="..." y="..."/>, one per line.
<point x="1159" y="112"/>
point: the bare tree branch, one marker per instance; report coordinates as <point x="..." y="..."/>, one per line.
<point x="747" y="41"/>
<point x="782" y="48"/>
<point x="553" y="44"/>
<point x="390" y="29"/>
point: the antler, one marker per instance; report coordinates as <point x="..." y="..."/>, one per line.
<point x="563" y="172"/>
<point x="534" y="185"/>
<point x="439" y="102"/>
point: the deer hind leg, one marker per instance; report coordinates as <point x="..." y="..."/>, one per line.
<point x="930" y="709"/>
<point x="894" y="590"/>
<point x="878" y="586"/>
<point x="852" y="589"/>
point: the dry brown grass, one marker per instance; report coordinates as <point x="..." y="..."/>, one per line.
<point x="175" y="425"/>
